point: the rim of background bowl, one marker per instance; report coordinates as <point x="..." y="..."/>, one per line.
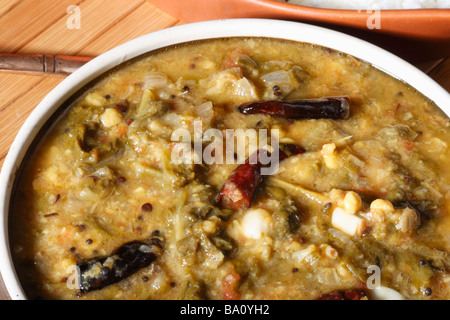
<point x="271" y="28"/>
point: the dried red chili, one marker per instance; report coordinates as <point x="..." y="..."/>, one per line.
<point x="323" y="108"/>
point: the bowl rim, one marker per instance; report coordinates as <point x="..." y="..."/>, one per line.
<point x="246" y="27"/>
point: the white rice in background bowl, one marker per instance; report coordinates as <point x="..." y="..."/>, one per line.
<point x="373" y="4"/>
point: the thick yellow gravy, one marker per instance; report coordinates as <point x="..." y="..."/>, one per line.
<point x="364" y="208"/>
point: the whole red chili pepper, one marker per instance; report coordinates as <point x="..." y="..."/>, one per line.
<point x="323" y="108"/>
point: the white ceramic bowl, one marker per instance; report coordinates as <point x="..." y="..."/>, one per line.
<point x="179" y="34"/>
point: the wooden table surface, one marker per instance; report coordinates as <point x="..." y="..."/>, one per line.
<point x="41" y="27"/>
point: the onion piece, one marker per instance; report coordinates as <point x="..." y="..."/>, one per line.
<point x="245" y="88"/>
<point x="283" y="79"/>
